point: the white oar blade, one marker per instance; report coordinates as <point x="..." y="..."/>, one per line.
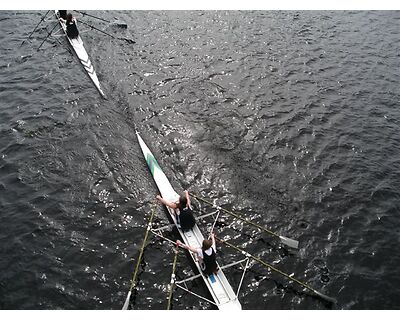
<point x="126" y="304"/>
<point x="289" y="242"/>
<point x="323" y="296"/>
<point x="119" y="24"/>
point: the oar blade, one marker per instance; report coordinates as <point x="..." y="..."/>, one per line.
<point x="325" y="297"/>
<point x="119" y="24"/>
<point x="130" y="41"/>
<point x="126" y="304"/>
<point x="289" y="242"/>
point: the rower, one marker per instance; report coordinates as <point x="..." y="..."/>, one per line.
<point x="62" y="14"/>
<point x="182" y="210"/>
<point x="72" y="30"/>
<point x="206" y="255"/>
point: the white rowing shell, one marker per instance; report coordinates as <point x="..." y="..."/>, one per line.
<point x="219" y="287"/>
<point x="80" y="51"/>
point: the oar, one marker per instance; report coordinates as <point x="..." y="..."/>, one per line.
<point x="267" y="265"/>
<point x="162" y="237"/>
<point x="110" y="35"/>
<point x="89" y="15"/>
<point x="134" y="282"/>
<point x="120" y="24"/>
<point x="35" y="27"/>
<point x="287" y="241"/>
<point x="215" y="221"/>
<point x="172" y="283"/>
<point x="48" y="35"/>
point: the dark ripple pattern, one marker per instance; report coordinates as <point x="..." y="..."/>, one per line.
<point x="289" y="118"/>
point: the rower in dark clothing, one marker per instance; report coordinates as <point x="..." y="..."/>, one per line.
<point x="62" y="14"/>
<point x="206" y="254"/>
<point x="72" y="30"/>
<point x="185" y="215"/>
<point x="183" y="211"/>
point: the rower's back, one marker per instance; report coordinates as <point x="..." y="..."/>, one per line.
<point x="186" y="219"/>
<point x="185" y="214"/>
<point x="72" y="30"/>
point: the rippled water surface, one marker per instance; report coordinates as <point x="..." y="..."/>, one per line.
<point x="289" y="118"/>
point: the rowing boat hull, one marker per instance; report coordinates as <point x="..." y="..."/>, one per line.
<point x="81" y="53"/>
<point x="219" y="287"/>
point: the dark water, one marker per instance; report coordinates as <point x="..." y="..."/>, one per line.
<point x="289" y="118"/>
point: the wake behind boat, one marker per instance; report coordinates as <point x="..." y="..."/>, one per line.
<point x="81" y="53"/>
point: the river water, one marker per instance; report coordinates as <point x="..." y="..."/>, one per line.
<point x="288" y="118"/>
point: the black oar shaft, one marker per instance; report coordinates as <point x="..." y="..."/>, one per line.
<point x="236" y="216"/>
<point x="267" y="265"/>
<point x="110" y="35"/>
<point x="48" y="35"/>
<point x="89" y="15"/>
<point x="36" y="27"/>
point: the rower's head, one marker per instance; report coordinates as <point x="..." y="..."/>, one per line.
<point x="206" y="244"/>
<point x="182" y="201"/>
<point x="69" y="17"/>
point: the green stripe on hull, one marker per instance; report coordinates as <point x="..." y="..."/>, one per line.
<point x="152" y="163"/>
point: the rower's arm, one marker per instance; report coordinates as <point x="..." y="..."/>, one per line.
<point x="184" y="246"/>
<point x="188" y="199"/>
<point x="213" y="242"/>
<point x="168" y="203"/>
